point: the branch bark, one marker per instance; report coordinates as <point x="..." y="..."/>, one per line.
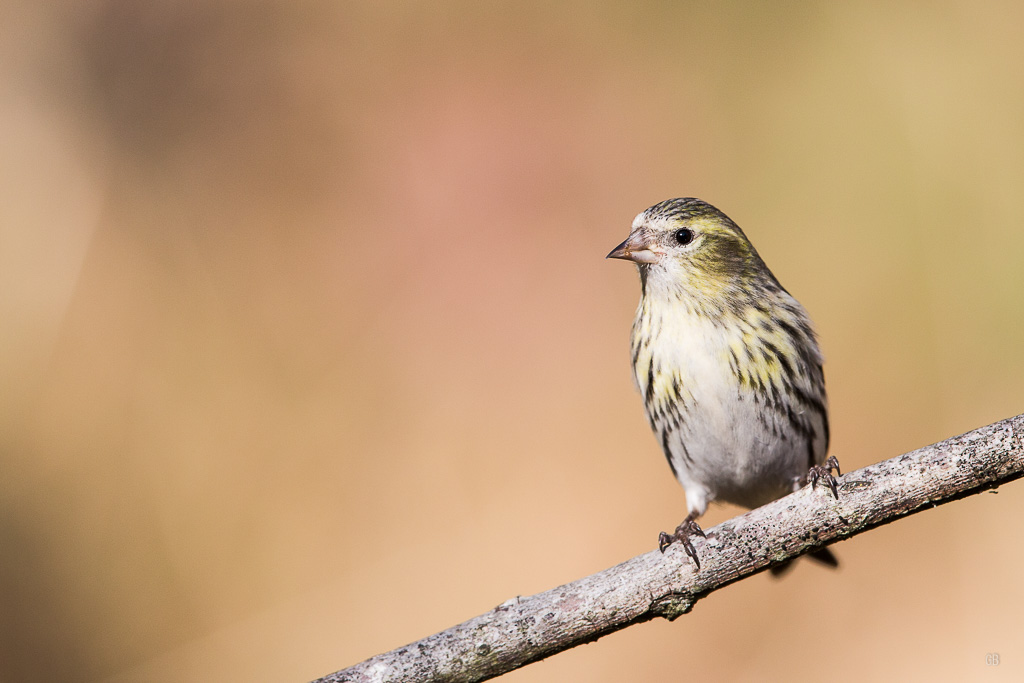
<point x="526" y="629"/>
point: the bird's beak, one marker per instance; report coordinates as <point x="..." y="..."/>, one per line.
<point x="636" y="248"/>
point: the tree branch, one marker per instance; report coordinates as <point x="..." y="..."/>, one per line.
<point x="527" y="629"/>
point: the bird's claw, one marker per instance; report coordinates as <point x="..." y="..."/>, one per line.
<point x="683" y="532"/>
<point x="824" y="473"/>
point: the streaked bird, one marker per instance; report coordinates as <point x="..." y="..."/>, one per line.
<point x="727" y="362"/>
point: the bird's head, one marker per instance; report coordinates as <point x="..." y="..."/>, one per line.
<point x="687" y="247"/>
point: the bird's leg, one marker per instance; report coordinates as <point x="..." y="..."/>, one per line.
<point x="824" y="473"/>
<point x="683" y="532"/>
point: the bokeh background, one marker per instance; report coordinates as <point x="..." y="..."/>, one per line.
<point x="308" y="346"/>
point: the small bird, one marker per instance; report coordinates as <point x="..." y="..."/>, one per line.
<point x="727" y="363"/>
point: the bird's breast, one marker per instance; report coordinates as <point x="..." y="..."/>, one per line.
<point x="681" y="366"/>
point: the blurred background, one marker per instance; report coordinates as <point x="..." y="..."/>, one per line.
<point x="308" y="346"/>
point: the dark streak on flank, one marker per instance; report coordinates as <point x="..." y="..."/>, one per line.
<point x="649" y="394"/>
<point x="668" y="452"/>
<point x="686" y="453"/>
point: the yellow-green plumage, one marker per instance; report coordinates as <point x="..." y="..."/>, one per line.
<point x="726" y="360"/>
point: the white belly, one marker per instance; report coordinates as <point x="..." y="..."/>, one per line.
<point x="727" y="441"/>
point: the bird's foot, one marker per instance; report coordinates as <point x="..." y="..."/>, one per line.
<point x="683" y="532"/>
<point x="824" y="473"/>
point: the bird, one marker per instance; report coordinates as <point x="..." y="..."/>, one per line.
<point x="728" y="364"/>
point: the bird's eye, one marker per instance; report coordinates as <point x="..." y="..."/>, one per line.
<point x="684" y="236"/>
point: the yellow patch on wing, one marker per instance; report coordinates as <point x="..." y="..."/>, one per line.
<point x="752" y="346"/>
